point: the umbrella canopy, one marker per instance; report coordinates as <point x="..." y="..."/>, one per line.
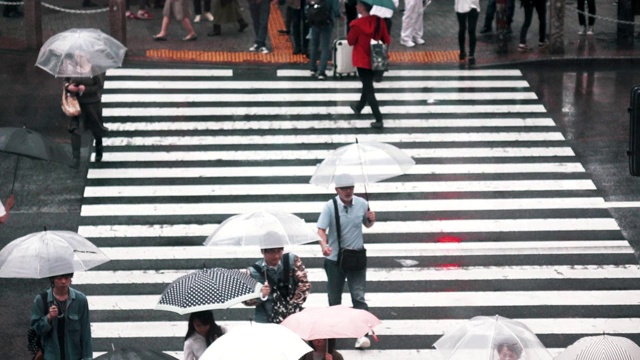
<point x="596" y="347"/>
<point x="367" y="163"/>
<point x="381" y="3"/>
<point x="257" y="341"/>
<point x="480" y="338"/>
<point x="48" y="253"/>
<point x="208" y="289"/>
<point x="135" y="354"/>
<point x="23" y="141"/>
<point x="266" y="229"/>
<point x="80" y="53"/>
<point x="331" y="322"/>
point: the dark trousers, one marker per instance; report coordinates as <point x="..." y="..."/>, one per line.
<point x="541" y="9"/>
<point x="8" y="9"/>
<point x="591" y="4"/>
<point x="92" y="114"/>
<point x="471" y="19"/>
<point x="260" y="17"/>
<point x="197" y="6"/>
<point x="368" y="95"/>
<point x="299" y="28"/>
<point x="491" y="12"/>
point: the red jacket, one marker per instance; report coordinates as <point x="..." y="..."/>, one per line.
<point x="360" y="35"/>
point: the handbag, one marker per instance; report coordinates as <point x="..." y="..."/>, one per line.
<point x="70" y="104"/>
<point x="348" y="259"/>
<point x="379" y="52"/>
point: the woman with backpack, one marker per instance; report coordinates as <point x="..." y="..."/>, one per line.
<point x="362" y="31"/>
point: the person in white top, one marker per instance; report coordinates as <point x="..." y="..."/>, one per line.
<point x="412" y="23"/>
<point x="201" y="333"/>
<point x="467" y="12"/>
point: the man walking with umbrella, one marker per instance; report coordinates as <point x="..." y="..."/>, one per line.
<point x="60" y="316"/>
<point x="340" y="230"/>
<point x="286" y="286"/>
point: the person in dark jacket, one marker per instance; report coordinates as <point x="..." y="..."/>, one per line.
<point x="88" y="91"/>
<point x="362" y="30"/>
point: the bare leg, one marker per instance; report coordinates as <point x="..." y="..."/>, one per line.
<point x="165" y="27"/>
<point x="187" y="26"/>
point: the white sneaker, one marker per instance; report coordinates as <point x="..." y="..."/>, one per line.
<point x="418" y="41"/>
<point x="263" y="50"/>
<point x="363" y="343"/>
<point x="590" y="31"/>
<point x="407" y="43"/>
<point x="197" y="18"/>
<point x="254" y="48"/>
<point x="583" y="31"/>
<point x="208" y="16"/>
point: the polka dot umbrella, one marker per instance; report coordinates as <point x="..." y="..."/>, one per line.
<point x="208" y="289"/>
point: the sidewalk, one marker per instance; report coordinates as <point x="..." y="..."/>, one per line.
<point x="440" y="34"/>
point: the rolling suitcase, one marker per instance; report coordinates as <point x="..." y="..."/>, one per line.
<point x="342" y="63"/>
<point x="634" y="132"/>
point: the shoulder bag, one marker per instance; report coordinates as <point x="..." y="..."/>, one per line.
<point x="379" y="52"/>
<point x="348" y="259"/>
<point x="70" y="105"/>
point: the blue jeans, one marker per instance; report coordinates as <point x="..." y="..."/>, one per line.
<point x="357" y="281"/>
<point x="260" y="16"/>
<point x="320" y="35"/>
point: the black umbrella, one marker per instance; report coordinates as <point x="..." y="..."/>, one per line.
<point x="208" y="289"/>
<point x="26" y="142"/>
<point x="135" y="354"/>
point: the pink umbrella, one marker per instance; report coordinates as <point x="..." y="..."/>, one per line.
<point x="331" y="322"/>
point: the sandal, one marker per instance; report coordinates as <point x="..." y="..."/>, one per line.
<point x="159" y="38"/>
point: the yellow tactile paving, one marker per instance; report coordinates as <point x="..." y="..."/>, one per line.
<point x="283" y="51"/>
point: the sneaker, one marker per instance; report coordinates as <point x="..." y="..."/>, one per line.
<point x="407" y="43"/>
<point x="144" y="15"/>
<point x="418" y="41"/>
<point x="590" y="30"/>
<point x="208" y="16"/>
<point x="523" y="48"/>
<point x="583" y="31"/>
<point x="314" y="73"/>
<point x="197" y="18"/>
<point x="472" y="60"/>
<point x="254" y="48"/>
<point x="263" y="50"/>
<point x="130" y="15"/>
<point x="543" y="44"/>
<point x="485" y="30"/>
<point x="364" y="342"/>
<point x="322" y="76"/>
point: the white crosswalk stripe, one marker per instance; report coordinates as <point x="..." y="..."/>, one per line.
<point x="498" y="216"/>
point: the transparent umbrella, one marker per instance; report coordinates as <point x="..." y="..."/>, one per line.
<point x="263" y="228"/>
<point x="48" y="253"/>
<point x="594" y="348"/>
<point x="257" y="341"/>
<point x="482" y="337"/>
<point x="80" y="53"/>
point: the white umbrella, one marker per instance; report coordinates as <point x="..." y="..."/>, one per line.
<point x="263" y="228"/>
<point x="596" y="347"/>
<point x="80" y="53"/>
<point x="208" y="289"/>
<point x="367" y="163"/>
<point x="257" y="341"/>
<point x="480" y="338"/>
<point x="48" y="253"/>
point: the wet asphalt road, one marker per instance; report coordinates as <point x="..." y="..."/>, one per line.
<point x="589" y="105"/>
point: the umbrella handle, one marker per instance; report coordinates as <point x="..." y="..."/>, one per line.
<point x="15" y="173"/>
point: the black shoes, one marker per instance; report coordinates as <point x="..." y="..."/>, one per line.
<point x="243" y="25"/>
<point x="284" y="32"/>
<point x="485" y="30"/>
<point x="217" y="30"/>
<point x="377" y="124"/>
<point x="354" y="107"/>
<point x="99" y="149"/>
<point x="471" y="60"/>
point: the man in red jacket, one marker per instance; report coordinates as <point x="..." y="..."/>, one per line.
<point x="361" y="32"/>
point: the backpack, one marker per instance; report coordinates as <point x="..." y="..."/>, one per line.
<point x="318" y="12"/>
<point x="33" y="339"/>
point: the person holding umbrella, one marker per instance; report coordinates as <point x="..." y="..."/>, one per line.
<point x="88" y="92"/>
<point x="63" y="321"/>
<point x="286" y="286"/>
<point x="344" y="229"/>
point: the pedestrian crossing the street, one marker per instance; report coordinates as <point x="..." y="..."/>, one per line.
<point x="498" y="216"/>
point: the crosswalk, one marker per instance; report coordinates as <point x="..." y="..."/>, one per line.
<point x="498" y="216"/>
